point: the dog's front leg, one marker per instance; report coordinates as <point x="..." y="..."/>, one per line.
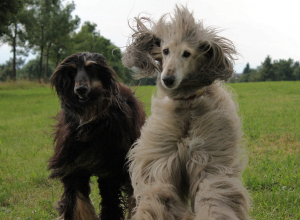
<point x="216" y="196"/>
<point x="156" y="169"/>
<point x="131" y="202"/>
<point x="75" y="203"/>
<point x="160" y="202"/>
<point x="158" y="183"/>
<point x="112" y="200"/>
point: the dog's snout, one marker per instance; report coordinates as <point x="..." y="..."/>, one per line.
<point x="169" y="81"/>
<point x="81" y="90"/>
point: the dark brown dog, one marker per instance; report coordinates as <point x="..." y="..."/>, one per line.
<point x="99" y="121"/>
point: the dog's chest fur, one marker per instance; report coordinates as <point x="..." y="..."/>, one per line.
<point x="207" y="123"/>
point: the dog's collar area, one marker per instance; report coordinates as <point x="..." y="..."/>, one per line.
<point x="81" y="122"/>
<point x="192" y="97"/>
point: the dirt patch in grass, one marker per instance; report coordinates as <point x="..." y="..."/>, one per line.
<point x="285" y="144"/>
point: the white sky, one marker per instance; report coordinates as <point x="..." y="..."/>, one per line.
<point x="257" y="27"/>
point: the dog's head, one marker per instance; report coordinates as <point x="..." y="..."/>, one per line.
<point x="83" y="80"/>
<point x="189" y="56"/>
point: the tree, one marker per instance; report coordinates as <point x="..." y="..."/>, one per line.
<point x="247" y="69"/>
<point x="31" y="69"/>
<point x="283" y="69"/>
<point x="244" y="78"/>
<point x="45" y="21"/>
<point x="36" y="18"/>
<point x="296" y="70"/>
<point x="276" y="71"/>
<point x="13" y="33"/>
<point x="296" y="73"/>
<point x="267" y="73"/>
<point x="246" y="74"/>
<point x="8" y="11"/>
<point x="63" y="27"/>
<point x="11" y="37"/>
<point x="254" y="76"/>
<point x="148" y="81"/>
<point x="7" y="69"/>
<point x="89" y="39"/>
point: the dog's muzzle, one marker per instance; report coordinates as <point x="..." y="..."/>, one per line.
<point x="169" y="81"/>
<point x="82" y="92"/>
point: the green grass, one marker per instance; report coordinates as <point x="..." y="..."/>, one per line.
<point x="271" y="122"/>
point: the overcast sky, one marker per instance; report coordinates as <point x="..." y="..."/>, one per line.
<point x="257" y="27"/>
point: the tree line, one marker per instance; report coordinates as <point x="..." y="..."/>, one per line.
<point x="276" y="70"/>
<point x="47" y="28"/>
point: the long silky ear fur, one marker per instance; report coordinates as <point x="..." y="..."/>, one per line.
<point x="60" y="78"/>
<point x="104" y="66"/>
<point x="220" y="58"/>
<point x="143" y="52"/>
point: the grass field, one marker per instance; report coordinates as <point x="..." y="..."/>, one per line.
<point x="271" y="122"/>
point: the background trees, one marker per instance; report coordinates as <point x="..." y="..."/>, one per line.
<point x="8" y="11"/>
<point x="267" y="72"/>
<point x="47" y="22"/>
<point x="7" y="71"/>
<point x="11" y="30"/>
<point x="48" y="29"/>
<point x="277" y="70"/>
<point x="88" y="39"/>
<point x="296" y="73"/>
<point x="247" y="69"/>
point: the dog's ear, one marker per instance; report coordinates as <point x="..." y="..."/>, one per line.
<point x="109" y="76"/>
<point x="144" y="52"/>
<point x="219" y="58"/>
<point x="63" y="77"/>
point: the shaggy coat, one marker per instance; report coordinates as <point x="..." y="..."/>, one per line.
<point x="98" y="122"/>
<point x="188" y="162"/>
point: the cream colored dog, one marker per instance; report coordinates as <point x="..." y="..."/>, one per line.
<point x="188" y="162"/>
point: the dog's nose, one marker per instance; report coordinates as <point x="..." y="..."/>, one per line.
<point x="169" y="81"/>
<point x="81" y="90"/>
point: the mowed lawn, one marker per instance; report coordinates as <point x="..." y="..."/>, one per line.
<point x="271" y="123"/>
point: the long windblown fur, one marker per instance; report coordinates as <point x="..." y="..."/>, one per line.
<point x="188" y="162"/>
<point x="99" y="121"/>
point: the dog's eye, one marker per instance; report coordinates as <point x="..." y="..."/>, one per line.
<point x="166" y="51"/>
<point x="186" y="54"/>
